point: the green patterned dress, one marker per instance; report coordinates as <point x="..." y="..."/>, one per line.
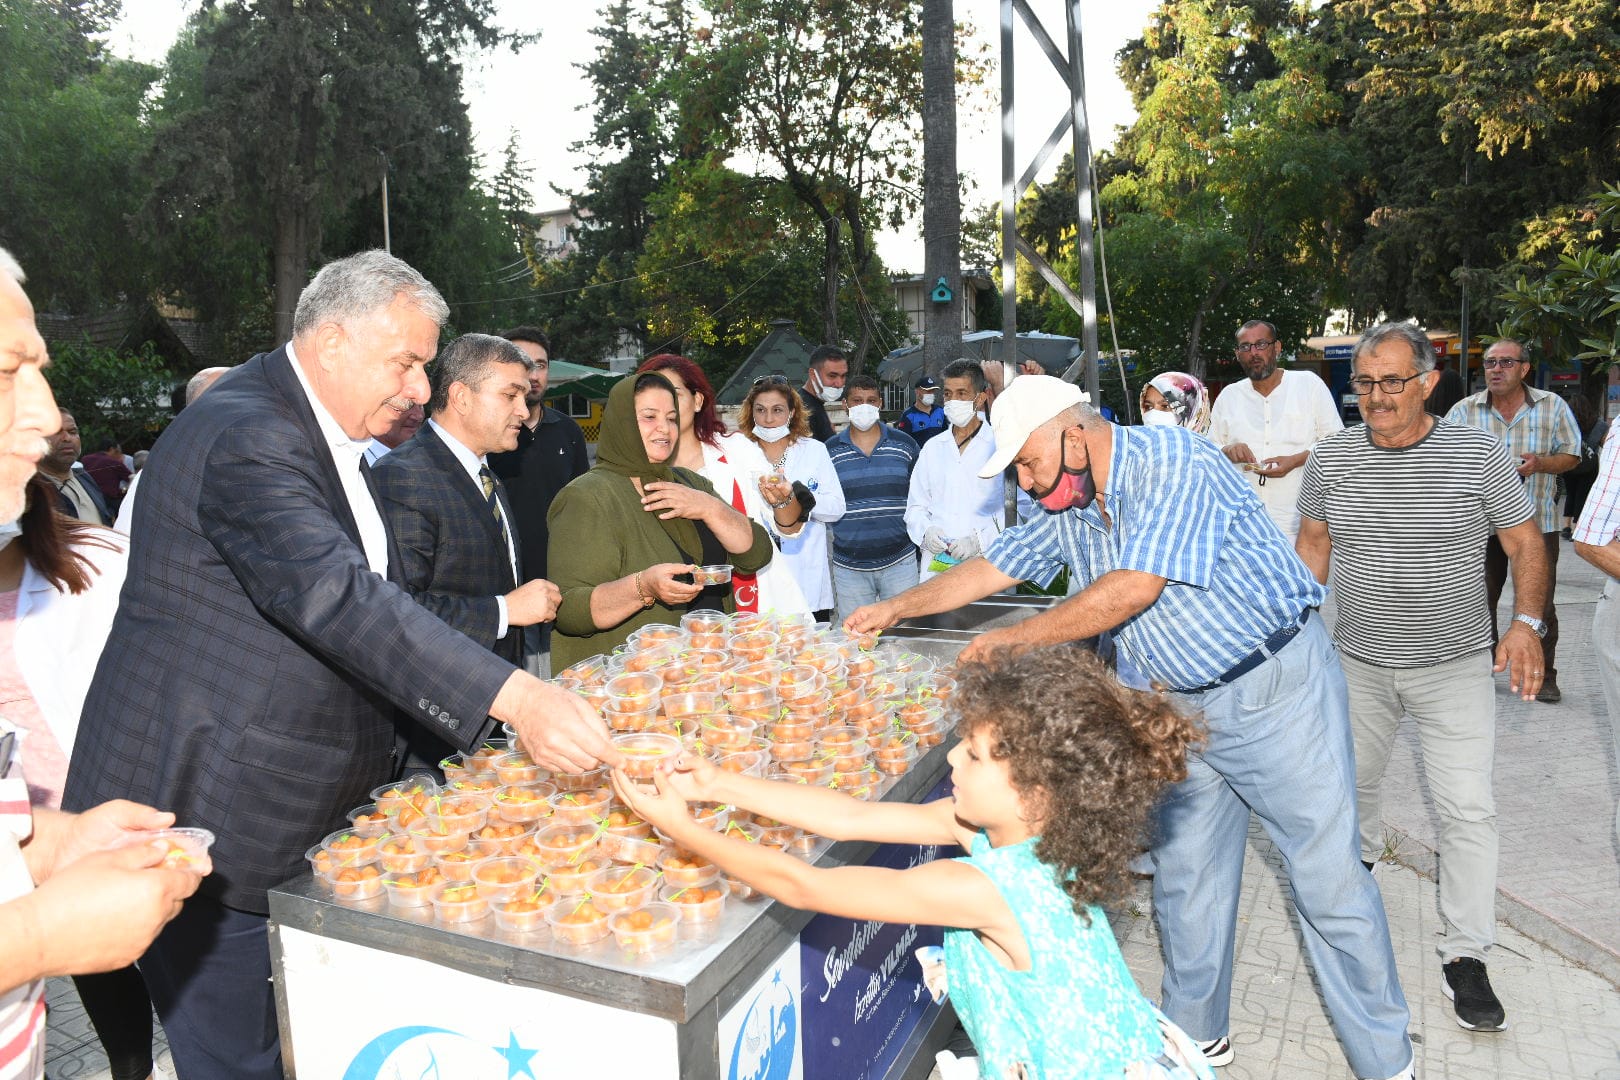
<point x="1076" y="1013"/>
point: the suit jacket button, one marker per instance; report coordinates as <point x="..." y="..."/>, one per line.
<point x="450" y="722"/>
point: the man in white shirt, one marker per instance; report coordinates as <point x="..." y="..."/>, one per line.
<point x="951" y="513"/>
<point x="1267" y="425"/>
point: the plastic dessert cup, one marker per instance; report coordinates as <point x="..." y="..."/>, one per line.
<point x="686" y="870"/>
<point x="521" y="805"/>
<point x="355" y="882"/>
<point x="367" y="820"/>
<point x="646" y="929"/>
<point x="506" y="877"/>
<point x="583" y="781"/>
<point x="632" y="720"/>
<point x="483" y="759"/>
<point x="793" y="750"/>
<point x="391" y="798"/>
<point x="712" y="816"/>
<point x="347" y="846"/>
<point x="655" y="634"/>
<point x="680" y="706"/>
<point x="457" y="903"/>
<point x="704" y="621"/>
<point x="622" y="849"/>
<point x="716" y="574"/>
<point x="579" y="807"/>
<point x="524" y="914"/>
<point x="184" y="849"/>
<point x="644" y="752"/>
<point x="436" y="840"/>
<point x="816" y="772"/>
<point x="413" y="890"/>
<point x="499" y="838"/>
<point x="458" y="812"/>
<point x="622" y="888"/>
<point x="577" y="922"/>
<point x="458" y="866"/>
<point x="455" y="768"/>
<point x="930" y="733"/>
<point x="726" y="732"/>
<point x="746" y="762"/>
<point x="624" y="824"/>
<point x="893" y="753"/>
<point x="474" y="784"/>
<point x="697" y="904"/>
<point x="574" y="879"/>
<point x="774" y="833"/>
<point x="753" y="645"/>
<point x="564" y="845"/>
<point x="590" y="671"/>
<point x="403" y="854"/>
<point x="518" y="768"/>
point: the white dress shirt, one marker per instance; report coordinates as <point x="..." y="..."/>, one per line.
<point x="346" y="455"/>
<point x="473" y="463"/>
<point x="1294" y="417"/>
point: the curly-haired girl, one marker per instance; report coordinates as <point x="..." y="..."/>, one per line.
<point x="1056" y="770"/>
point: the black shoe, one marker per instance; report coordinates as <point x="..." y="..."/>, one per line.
<point x="1368" y="865"/>
<point x="1469" y="989"/>
<point x="1549" y="694"/>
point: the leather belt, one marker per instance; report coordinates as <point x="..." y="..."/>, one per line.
<point x="1266" y="651"/>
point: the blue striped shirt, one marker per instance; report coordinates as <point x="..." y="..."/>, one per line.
<point x="1179" y="510"/>
<point x="872" y="533"/>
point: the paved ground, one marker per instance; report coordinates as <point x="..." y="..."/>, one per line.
<point x="1557" y="967"/>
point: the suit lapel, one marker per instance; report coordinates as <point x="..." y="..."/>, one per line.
<point x="472" y="495"/>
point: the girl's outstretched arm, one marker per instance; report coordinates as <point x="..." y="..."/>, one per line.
<point x="818" y="809"/>
<point x="939" y="893"/>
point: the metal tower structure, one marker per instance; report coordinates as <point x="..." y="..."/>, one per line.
<point x="1071" y="69"/>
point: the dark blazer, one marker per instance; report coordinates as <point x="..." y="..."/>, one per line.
<point x="262" y="660"/>
<point x="452" y="555"/>
<point x="91" y="488"/>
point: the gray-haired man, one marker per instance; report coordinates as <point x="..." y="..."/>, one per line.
<point x="1406" y="502"/>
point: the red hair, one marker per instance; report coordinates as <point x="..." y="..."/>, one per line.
<point x="705" y="420"/>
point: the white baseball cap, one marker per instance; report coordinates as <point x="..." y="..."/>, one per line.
<point x="1028" y="403"/>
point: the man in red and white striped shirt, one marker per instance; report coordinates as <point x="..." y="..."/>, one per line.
<point x="79" y="893"/>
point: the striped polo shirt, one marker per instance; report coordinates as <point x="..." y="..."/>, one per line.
<point x="872" y="533"/>
<point x="1543" y="425"/>
<point x="1409" y="526"/>
<point x="1600" y="520"/>
<point x="1179" y="510"/>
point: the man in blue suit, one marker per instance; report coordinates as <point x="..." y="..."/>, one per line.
<point x="269" y="642"/>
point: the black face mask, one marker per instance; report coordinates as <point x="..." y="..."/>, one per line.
<point x="1070" y="489"/>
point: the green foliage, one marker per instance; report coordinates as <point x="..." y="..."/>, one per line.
<point x="1573" y="310"/>
<point x="122" y="396"/>
<point x="72" y="137"/>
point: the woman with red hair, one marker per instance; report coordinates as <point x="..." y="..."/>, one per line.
<point x="741" y="476"/>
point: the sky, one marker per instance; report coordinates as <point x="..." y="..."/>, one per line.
<point x="540" y="93"/>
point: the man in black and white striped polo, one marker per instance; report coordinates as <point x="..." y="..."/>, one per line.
<point x="1405" y="503"/>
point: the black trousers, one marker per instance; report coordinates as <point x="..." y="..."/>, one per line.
<point x="121" y="1010"/>
<point x="1496" y="574"/>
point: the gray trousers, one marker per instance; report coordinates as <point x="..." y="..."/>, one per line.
<point x="1454" y="707"/>
<point x="1606" y="645"/>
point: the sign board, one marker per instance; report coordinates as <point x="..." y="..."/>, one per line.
<point x="1337" y="352"/>
<point x="862" y="990"/>
<point x="357" y="1013"/>
<point x="759" y="1035"/>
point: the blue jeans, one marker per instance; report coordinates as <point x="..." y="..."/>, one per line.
<point x="1279" y="745"/>
<point x="856" y="588"/>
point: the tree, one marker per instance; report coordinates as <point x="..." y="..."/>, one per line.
<point x="1234" y="168"/>
<point x="328" y="91"/>
<point x="111" y="395"/>
<point x="822" y="93"/>
<point x="942" y="200"/>
<point x="70" y="124"/>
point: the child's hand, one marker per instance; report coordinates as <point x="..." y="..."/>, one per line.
<point x="691" y="776"/>
<point x="661" y="807"/>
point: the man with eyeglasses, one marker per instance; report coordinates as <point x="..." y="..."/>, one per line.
<point x="1543" y="440"/>
<point x="1267" y="425"/>
<point x="1395" y="506"/>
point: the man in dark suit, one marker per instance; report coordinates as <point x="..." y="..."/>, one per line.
<point x="550" y="452"/>
<point x="268" y="643"/>
<point x="460" y="551"/>
<point x="77" y="494"/>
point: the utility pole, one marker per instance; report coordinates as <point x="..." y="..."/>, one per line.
<point x="388" y="245"/>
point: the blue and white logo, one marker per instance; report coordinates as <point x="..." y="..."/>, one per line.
<point x="769" y="1037"/>
<point x="432" y="1053"/>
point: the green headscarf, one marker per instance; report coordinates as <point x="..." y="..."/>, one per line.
<point x="619" y="450"/>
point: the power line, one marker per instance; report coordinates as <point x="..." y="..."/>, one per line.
<point x="582" y="288"/>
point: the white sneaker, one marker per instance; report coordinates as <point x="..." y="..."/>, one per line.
<point x="1218" y="1052"/>
<point x="1408" y="1073"/>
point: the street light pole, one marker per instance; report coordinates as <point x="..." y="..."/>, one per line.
<point x="387" y="240"/>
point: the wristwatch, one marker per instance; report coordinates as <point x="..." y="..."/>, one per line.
<point x="1535" y="624"/>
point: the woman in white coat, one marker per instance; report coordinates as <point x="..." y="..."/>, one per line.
<point x="774" y="418"/>
<point x="59" y="586"/>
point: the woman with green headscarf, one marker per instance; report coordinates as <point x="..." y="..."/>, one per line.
<point x="626" y="536"/>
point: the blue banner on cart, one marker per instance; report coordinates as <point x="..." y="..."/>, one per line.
<point x="862" y="993"/>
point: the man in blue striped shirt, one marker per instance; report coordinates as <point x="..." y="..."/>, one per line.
<point x="873" y="557"/>
<point x="1178" y="559"/>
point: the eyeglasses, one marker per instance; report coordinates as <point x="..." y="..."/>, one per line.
<point x="771" y="380"/>
<point x="1390" y="384"/>
<point x="1254" y="346"/>
<point x="1501" y="362"/>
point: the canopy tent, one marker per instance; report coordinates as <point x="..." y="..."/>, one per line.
<point x="1053" y="352"/>
<point x="587" y="382"/>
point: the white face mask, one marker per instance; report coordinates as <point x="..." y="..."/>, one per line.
<point x="863" y="416"/>
<point x="928" y="401"/>
<point x="829" y="394"/>
<point x="770" y="434"/>
<point x="1159" y="418"/>
<point x="9" y="532"/>
<point x="959" y="413"/>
